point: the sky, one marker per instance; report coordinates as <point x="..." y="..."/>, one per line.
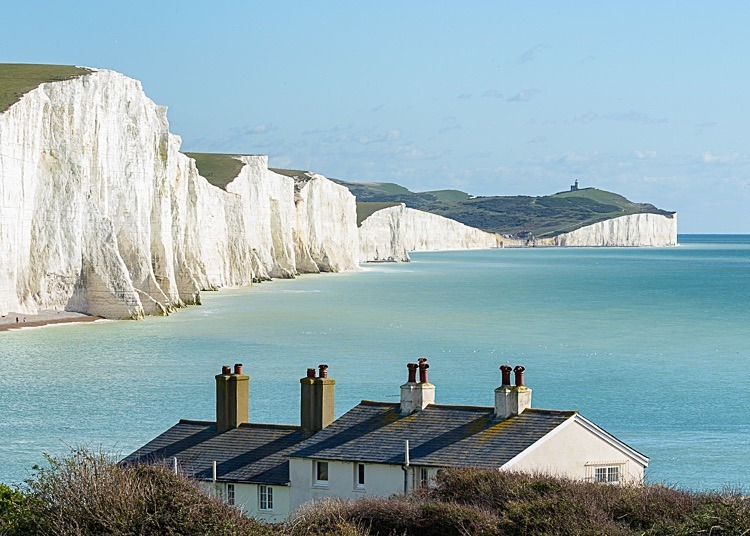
<point x="647" y="99"/>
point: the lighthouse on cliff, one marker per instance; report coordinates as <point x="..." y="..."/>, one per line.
<point x="574" y="186"/>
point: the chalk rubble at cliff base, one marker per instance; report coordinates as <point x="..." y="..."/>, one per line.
<point x="100" y="212"/>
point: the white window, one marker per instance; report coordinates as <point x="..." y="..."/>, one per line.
<point x="424" y="477"/>
<point x="609" y="474"/>
<point x="230" y="494"/>
<point x="359" y="476"/>
<point x="265" y="498"/>
<point x="320" y="474"/>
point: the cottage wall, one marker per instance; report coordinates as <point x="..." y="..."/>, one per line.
<point x="574" y="451"/>
<point x="247" y="499"/>
<point x="381" y="480"/>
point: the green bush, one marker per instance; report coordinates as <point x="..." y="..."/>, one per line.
<point x="14" y="510"/>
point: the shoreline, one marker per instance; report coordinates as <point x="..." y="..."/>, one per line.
<point x="43" y="318"/>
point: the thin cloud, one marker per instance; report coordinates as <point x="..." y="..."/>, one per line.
<point x="530" y="54"/>
<point x="256" y="129"/>
<point x="492" y="94"/>
<point x="537" y="139"/>
<point x="524" y="95"/>
<point x="644" y="155"/>
<point x="448" y="128"/>
<point x="464" y="96"/>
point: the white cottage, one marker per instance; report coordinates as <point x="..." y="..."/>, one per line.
<point x="379" y="448"/>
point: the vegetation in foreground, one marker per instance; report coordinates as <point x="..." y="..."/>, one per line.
<point x="85" y="493"/>
<point x="17" y="79"/>
<point x="513" y="215"/>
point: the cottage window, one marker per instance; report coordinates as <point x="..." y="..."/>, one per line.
<point x="359" y="476"/>
<point x="265" y="498"/>
<point x="321" y="473"/>
<point x="230" y="494"/>
<point x="608" y="475"/>
<point x="424" y="477"/>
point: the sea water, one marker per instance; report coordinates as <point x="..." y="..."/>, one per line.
<point x="651" y="344"/>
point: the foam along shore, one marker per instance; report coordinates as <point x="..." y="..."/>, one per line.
<point x="13" y="321"/>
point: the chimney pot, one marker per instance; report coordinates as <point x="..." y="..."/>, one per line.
<point x="423" y="366"/>
<point x="505" y="370"/>
<point x="232" y="398"/>
<point x="519" y="375"/>
<point x="317" y="400"/>
<point x="412" y="372"/>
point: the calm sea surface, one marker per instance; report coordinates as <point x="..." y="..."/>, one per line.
<point x="651" y="344"/>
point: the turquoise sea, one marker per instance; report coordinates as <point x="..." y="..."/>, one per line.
<point x="651" y="344"/>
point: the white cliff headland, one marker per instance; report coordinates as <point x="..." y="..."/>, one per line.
<point x="101" y="214"/>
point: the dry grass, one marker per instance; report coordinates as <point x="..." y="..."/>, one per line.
<point x="86" y="493"/>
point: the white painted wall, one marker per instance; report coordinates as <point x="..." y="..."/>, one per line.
<point x="572" y="451"/>
<point x="381" y="480"/>
<point x="246" y="498"/>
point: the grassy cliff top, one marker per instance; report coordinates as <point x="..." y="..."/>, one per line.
<point x="366" y="209"/>
<point x="218" y="169"/>
<point x="17" y="79"/>
<point x="542" y="216"/>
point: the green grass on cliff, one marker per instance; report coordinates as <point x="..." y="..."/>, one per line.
<point x="542" y="216"/>
<point x="218" y="169"/>
<point x="17" y="79"/>
<point x="365" y="209"/>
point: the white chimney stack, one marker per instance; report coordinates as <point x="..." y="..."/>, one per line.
<point x="510" y="399"/>
<point x="415" y="396"/>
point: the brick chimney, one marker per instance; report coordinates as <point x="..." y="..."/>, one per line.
<point x="510" y="399"/>
<point x="417" y="395"/>
<point x="232" y="398"/>
<point x="317" y="400"/>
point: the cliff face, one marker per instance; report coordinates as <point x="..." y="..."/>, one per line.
<point x="626" y="231"/>
<point x="326" y="237"/>
<point x="100" y="213"/>
<point x="389" y="234"/>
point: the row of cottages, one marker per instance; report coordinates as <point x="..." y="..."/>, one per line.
<point x="380" y="448"/>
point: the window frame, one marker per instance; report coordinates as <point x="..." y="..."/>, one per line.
<point x="230" y="494"/>
<point x="359" y="471"/>
<point x="317" y="481"/>
<point x="424" y="477"/>
<point x="265" y="498"/>
<point x="607" y="473"/>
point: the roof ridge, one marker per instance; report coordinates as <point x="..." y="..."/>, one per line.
<point x="559" y="411"/>
<point x="192" y="421"/>
<point x="245" y="424"/>
<point x="377" y="403"/>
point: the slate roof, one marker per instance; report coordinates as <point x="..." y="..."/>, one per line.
<point x="250" y="453"/>
<point x="439" y="435"/>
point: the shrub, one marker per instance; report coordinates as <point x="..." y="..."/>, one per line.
<point x="87" y="493"/>
<point x="14" y="507"/>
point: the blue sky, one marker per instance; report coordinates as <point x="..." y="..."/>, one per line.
<point x="647" y="99"/>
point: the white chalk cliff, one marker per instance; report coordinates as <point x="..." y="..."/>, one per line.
<point x="100" y="213"/>
<point x="636" y="230"/>
<point x="391" y="233"/>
